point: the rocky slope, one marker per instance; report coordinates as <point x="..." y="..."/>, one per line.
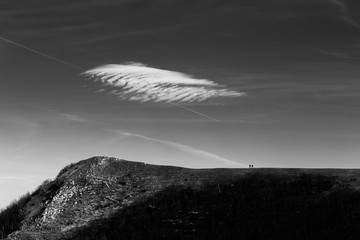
<point x="104" y="198"/>
<point x="96" y="188"/>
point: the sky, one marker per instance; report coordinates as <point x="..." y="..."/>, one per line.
<point x="192" y="83"/>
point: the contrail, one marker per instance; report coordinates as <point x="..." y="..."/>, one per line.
<point x="42" y="54"/>
<point x="196" y="112"/>
<point x="84" y="69"/>
<point x="181" y="147"/>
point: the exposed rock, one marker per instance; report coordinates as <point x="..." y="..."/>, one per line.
<point x="96" y="188"/>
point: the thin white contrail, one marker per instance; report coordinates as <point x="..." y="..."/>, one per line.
<point x="42" y="54"/>
<point x="196" y="112"/>
<point x="84" y="69"/>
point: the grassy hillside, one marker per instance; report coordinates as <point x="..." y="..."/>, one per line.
<point x="257" y="206"/>
<point x="108" y="198"/>
<point x="12" y="216"/>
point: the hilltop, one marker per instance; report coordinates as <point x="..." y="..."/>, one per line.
<point x="110" y="198"/>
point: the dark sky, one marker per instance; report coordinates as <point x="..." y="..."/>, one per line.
<point x="297" y="61"/>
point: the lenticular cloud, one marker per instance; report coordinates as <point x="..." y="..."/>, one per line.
<point x="136" y="82"/>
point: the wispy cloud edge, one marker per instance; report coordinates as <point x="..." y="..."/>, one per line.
<point x="138" y="82"/>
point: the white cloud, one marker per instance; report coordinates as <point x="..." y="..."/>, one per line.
<point x="137" y="82"/>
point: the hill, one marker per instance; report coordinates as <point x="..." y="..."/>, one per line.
<point x="109" y="198"/>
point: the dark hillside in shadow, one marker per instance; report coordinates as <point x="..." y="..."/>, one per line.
<point x="107" y="198"/>
<point x="257" y="206"/>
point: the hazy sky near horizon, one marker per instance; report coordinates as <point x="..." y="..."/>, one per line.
<point x="295" y="63"/>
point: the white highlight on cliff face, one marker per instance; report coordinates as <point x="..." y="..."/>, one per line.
<point x="137" y="82"/>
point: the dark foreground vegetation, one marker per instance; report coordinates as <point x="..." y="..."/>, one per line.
<point x="256" y="206"/>
<point x="26" y="208"/>
<point x="253" y="206"/>
<point x="12" y="216"/>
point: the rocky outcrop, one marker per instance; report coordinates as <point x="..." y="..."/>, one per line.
<point x="94" y="189"/>
<point x="109" y="198"/>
